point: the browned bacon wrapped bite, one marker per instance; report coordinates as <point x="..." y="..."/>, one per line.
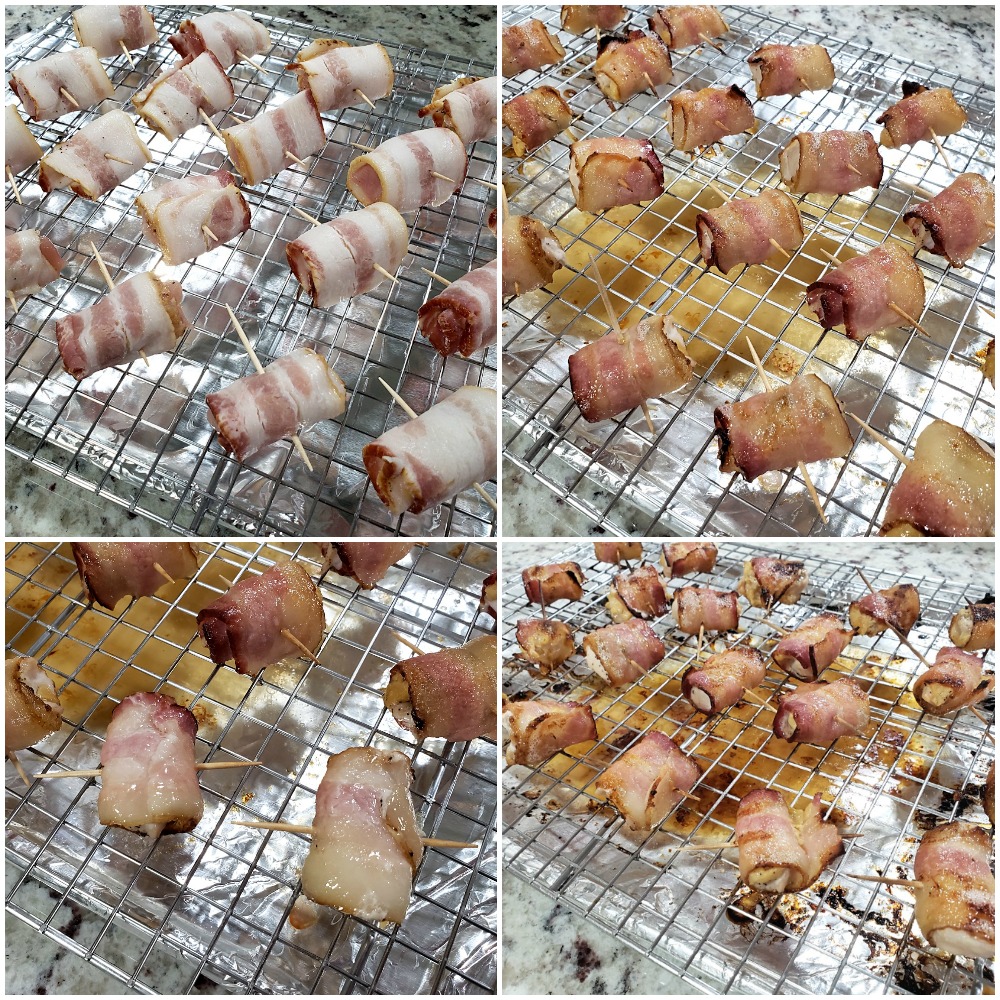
<point x="681" y="27"/>
<point x="337" y="73"/>
<point x="989" y="793"/>
<point x="989" y="362"/>
<point x="366" y="563"/>
<point x="451" y="694"/>
<point x="528" y="46"/>
<point x="148" y="779"/>
<point x="859" y="294"/>
<point x="228" y="36"/>
<point x="833" y="162"/>
<point x="31" y="261"/>
<point x="744" y="230"/>
<point x="897" y="607"/>
<point x="808" y="650"/>
<point x="703" y="607"/>
<point x="555" y="582"/>
<point x="791" y="69"/>
<point x="611" y="172"/>
<point x="110" y="571"/>
<point x="780" y="852"/>
<point x="246" y="624"/>
<point x="540" y="729"/>
<point x="955" y="906"/>
<point x="822" y="712"/>
<point x="956" y="680"/>
<point x="619" y="372"/>
<point x="531" y="255"/>
<point x="536" y="117"/>
<point x="798" y="422"/>
<point x="173" y="102"/>
<point x="463" y="318"/>
<point x="622" y="653"/>
<point x="954" y="223"/>
<point x="630" y="63"/>
<point x="20" y="147"/>
<point x="920" y="115"/>
<point x="617" y="552"/>
<point x="948" y="487"/>
<point x="974" y="627"/>
<point x="31" y="704"/>
<point x="649" y="780"/>
<point x="42" y="85"/>
<point x="638" y="594"/>
<point x="469" y="108"/>
<point x="684" y="558"/>
<point x="545" y="641"/>
<point x="109" y="29"/>
<point x="720" y="682"/>
<point x="578" y="19"/>
<point x="767" y="581"/>
<point x="702" y="117"/>
<point x="488" y="597"/>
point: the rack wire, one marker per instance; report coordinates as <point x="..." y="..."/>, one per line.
<point x="217" y="900"/>
<point x="634" y="482"/>
<point x="138" y="433"/>
<point x="686" y="911"/>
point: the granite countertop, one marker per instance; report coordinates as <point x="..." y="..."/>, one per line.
<point x="548" y="948"/>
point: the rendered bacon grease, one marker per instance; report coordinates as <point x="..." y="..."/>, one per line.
<point x="545" y="641"/>
<point x="173" y="102"/>
<point x="956" y="222"/>
<point x="682" y="27"/>
<point x="623" y="653"/>
<point x="956" y="680"/>
<point x="767" y="581"/>
<point x="703" y="607"/>
<point x="468" y="107"/>
<point x="20" y="148"/>
<point x="110" y="571"/>
<point x="617" y="552"/>
<point x="536" y="117"/>
<point x="684" y="558"/>
<point x="920" y="115"/>
<point x="108" y="30"/>
<point x="704" y="117"/>
<point x="40" y="84"/>
<point x="897" y="607"/>
<point x="555" y="582"/>
<point x="638" y="593"/>
<point x="531" y="255"/>
<point x="578" y="19"/>
<point x="539" y="729"/>
<point x="611" y="172"/>
<point x="974" y="626"/>
<point x="337" y="73"/>
<point x="809" y="649"/>
<point x="791" y="69"/>
<point x="832" y="162"/>
<point x="366" y="563"/>
<point x="528" y="46"/>
<point x="822" y="712"/>
<point x="228" y="36"/>
<point x="463" y="318"/>
<point x="629" y="63"/>
<point x="31" y="261"/>
<point x="741" y="231"/>
<point x="31" y="704"/>
<point x="722" y="680"/>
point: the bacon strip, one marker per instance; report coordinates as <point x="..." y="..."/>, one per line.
<point x="767" y="581"/>
<point x="470" y="110"/>
<point x="20" y="148"/>
<point x="833" y="162"/>
<point x="808" y="650"/>
<point x="722" y="680"/>
<point x="536" y="117"/>
<point x="451" y="694"/>
<point x="955" y="906"/>
<point x="649" y="780"/>
<point x="619" y="372"/>
<point x="488" y="597"/>
<point x="638" y="593"/>
<point x="426" y="461"/>
<point x="682" y="27"/>
<point x="109" y="29"/>
<point x="40" y="84"/>
<point x="31" y="261"/>
<point x="704" y="117"/>
<point x="148" y="781"/>
<point x="919" y="115"/>
<point x="629" y="63"/>
<point x="31" y="704"/>
<point x="545" y="641"/>
<point x="624" y="652"/>
<point x="141" y="314"/>
<point x="225" y="35"/>
<point x="608" y="173"/>
<point x="684" y="558"/>
<point x="698" y="607"/>
<point x="897" y="608"/>
<point x="557" y="582"/>
<point x="337" y="259"/>
<point x="80" y="163"/>
<point x="956" y="680"/>
<point x="617" y="552"/>
<point x="528" y="46"/>
<point x="744" y="230"/>
<point x="531" y="255"/>
<point x="540" y="729"/>
<point x="172" y="102"/>
<point x="246" y="623"/>
<point x="791" y="69"/>
<point x="110" y="571"/>
<point x="366" y="563"/>
<point x="338" y="73"/>
<point x="974" y="626"/>
<point x="798" y="422"/>
<point x="954" y="223"/>
<point x="822" y="712"/>
<point x="463" y="318"/>
<point x="578" y="19"/>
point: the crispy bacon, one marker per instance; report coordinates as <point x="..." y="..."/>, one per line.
<point x="767" y="581"/>
<point x="578" y="19"/>
<point x="338" y="73"/>
<point x="366" y="563"/>
<point x="684" y="558"/>
<point x="833" y="162"/>
<point x="536" y="117"/>
<point x="808" y="650"/>
<point x="172" y="103"/>
<point x="31" y="704"/>
<point x="20" y="147"/>
<point x="110" y="571"/>
<point x="451" y="694"/>
<point x="954" y="223"/>
<point x="42" y="85"/>
<point x="545" y="641"/>
<point x="682" y="27"/>
<point x="528" y="46"/>
<point x="470" y="110"/>
<point x="629" y="63"/>
<point x="617" y="552"/>
<point x="649" y="780"/>
<point x="744" y="230"/>
<point x="463" y="318"/>
<point x="698" y="118"/>
<point x="228" y="36"/>
<point x="956" y="680"/>
<point x="638" y="593"/>
<point x="488" y="596"/>
<point x="540" y="729"/>
<point x="791" y="69"/>
<point x="622" y="653"/>
<point x="822" y="712"/>
<point x="531" y="255"/>
<point x="109" y="29"/>
<point x="974" y="626"/>
<point x="556" y="582"/>
<point x="608" y="173"/>
<point x="722" y="680"/>
<point x="897" y="607"/>
<point x="703" y="607"/>
<point x="31" y="261"/>
<point x="920" y="115"/>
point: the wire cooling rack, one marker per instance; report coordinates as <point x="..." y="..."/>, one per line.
<point x="219" y="898"/>
<point x="686" y="911"/>
<point x="144" y="428"/>
<point x="634" y="482"/>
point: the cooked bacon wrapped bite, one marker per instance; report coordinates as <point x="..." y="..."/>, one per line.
<point x="608" y="173"/>
<point x="536" y="117"/>
<point x="488" y="597"/>
<point x="545" y="641"/>
<point x="767" y="581"/>
<point x="744" y="230"/>
<point x="469" y="109"/>
<point x="822" y="712"/>
<point x="956" y="680"/>
<point x="364" y="562"/>
<point x="31" y="704"/>
<point x="703" y="607"/>
<point x="954" y="223"/>
<point x="617" y="552"/>
<point x="897" y="607"/>
<point x="989" y="362"/>
<point x="639" y="594"/>
<point x="920" y="115"/>
<point x="578" y="19"/>
<point x="649" y="780"/>
<point x="463" y="318"/>
<point x="228" y="36"/>
<point x="808" y="650"/>
<point x="366" y="838"/>
<point x="682" y="27"/>
<point x="531" y="255"/>
<point x="42" y="85"/>
<point x="684" y="558"/>
<point x="833" y="162"/>
<point x="108" y="30"/>
<point x="722" y="680"/>
<point x="140" y="314"/>
<point x="528" y="46"/>
<point x="630" y="63"/>
<point x="110" y="571"/>
<point x="698" y="118"/>
<point x="148" y="779"/>
<point x="31" y="261"/>
<point x="622" y="653"/>
<point x="426" y="461"/>
<point x="338" y="73"/>
<point x="974" y="627"/>
<point x="791" y="69"/>
<point x="989" y="793"/>
<point x="20" y="147"/>
<point x="540" y="729"/>
<point x="82" y="162"/>
<point x="955" y="906"/>
<point x="947" y="488"/>
<point x="247" y="623"/>
<point x="798" y="422"/>
<point x="173" y="102"/>
<point x="451" y="694"/>
<point x="619" y="372"/>
<point x="556" y="582"/>
<point x="780" y="852"/>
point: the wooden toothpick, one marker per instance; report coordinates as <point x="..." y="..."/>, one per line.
<point x="295" y="159"/>
<point x="908" y="882"/>
<point x="69" y="97"/>
<point x="301" y="646"/>
<point x="118" y="159"/>
<point x="443" y="177"/>
<point x="937" y="142"/>
<point x="753" y="696"/>
<point x="712" y="42"/>
<point x="308" y="831"/>
<point x="244" y="58"/>
<point x="13" y="299"/>
<point x="95" y="772"/>
<point x="128" y="55"/>
<point x="360" y="145"/>
<point x="12" y="757"/>
<point x="701" y="638"/>
<point x="208" y="232"/>
<point x="899" y="635"/>
<point x="434" y="274"/>
<point x="102" y="266"/>
<point x="13" y="184"/>
<point x="649" y="80"/>
<point x="829" y="256"/>
<point x="385" y="274"/>
<point x="986" y="722"/>
<point x="166" y="576"/>
<point x="478" y="487"/>
<point x="775" y="626"/>
<point x="208" y="121"/>
<point x="364" y="97"/>
<point x="306" y="216"/>
<point x="909" y="319"/>
<point x="409" y="643"/>
<point x="777" y="246"/>
<point x="722" y="194"/>
<point x="885" y="442"/>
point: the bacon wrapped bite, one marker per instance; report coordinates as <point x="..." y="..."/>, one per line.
<point x="684" y="558"/>
<point x="702" y="607"/>
<point x="744" y="230"/>
<point x="536" y="117"/>
<point x="767" y="581"/>
<point x="974" y="627"/>
<point x="20" y="147"/>
<point x="808" y="650"/>
<point x="109" y="29"/>
<point x="366" y="563"/>
<point x="703" y="117"/>
<point x="528" y="46"/>
<point x="791" y="69"/>
<point x="822" y="712"/>
<point x="608" y="173"/>
<point x="622" y="653"/>
<point x="617" y="552"/>
<point x="833" y="162"/>
<point x="545" y="641"/>
<point x="468" y="108"/>
<point x="638" y="594"/>
<point x="956" y="680"/>
<point x="920" y="115"/>
<point x="531" y="255"/>
<point x="173" y="102"/>
<point x="488" y="597"/>
<point x="691" y="24"/>
<point x="540" y="729"/>
<point x="954" y="223"/>
<point x="42" y="85"/>
<point x="31" y="261"/>
<point x="338" y="73"/>
<point x="630" y="63"/>
<point x="578" y="19"/>
<point x="722" y="680"/>
<point x="110" y="571"/>
<point x="556" y="582"/>
<point x="228" y="36"/>
<point x="463" y="318"/>
<point x="897" y="608"/>
<point x="31" y="704"/>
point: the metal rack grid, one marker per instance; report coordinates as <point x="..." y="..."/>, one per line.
<point x="687" y="911"/>
<point x="220" y="897"/>
<point x="143" y="429"/>
<point x="634" y="482"/>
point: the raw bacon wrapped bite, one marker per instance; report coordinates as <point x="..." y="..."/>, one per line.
<point x="920" y="115"/>
<point x="822" y="712"/>
<point x="630" y="63"/>
<point x="247" y="623"/>
<point x="228" y="36"/>
<point x="31" y="704"/>
<point x="808" y="650"/>
<point x="364" y="562"/>
<point x="578" y="19"/>
<point x="703" y="607"/>
<point x="528" y="46"/>
<point x="536" y="117"/>
<point x="722" y="680"/>
<point x="468" y="108"/>
<point x="338" y="73"/>
<point x="609" y="173"/>
<point x="956" y="222"/>
<point x="108" y="30"/>
<point x="833" y="162"/>
<point x="545" y="641"/>
<point x="557" y="582"/>
<point x="540" y="729"/>
<point x="649" y="780"/>
<point x="744" y="230"/>
<point x="110" y="571"/>
<point x="638" y="594"/>
<point x="31" y="261"/>
<point x="956" y="680"/>
<point x="698" y="118"/>
<point x="791" y="69"/>
<point x="20" y="148"/>
<point x="451" y="694"/>
<point x="767" y="581"/>
<point x="531" y="255"/>
<point x="42" y="85"/>
<point x="173" y="102"/>
<point x="974" y="627"/>
<point x="617" y="552"/>
<point x="623" y="653"/>
<point x="683" y="558"/>
<point x="682" y="27"/>
<point x="897" y="608"/>
<point x="463" y="318"/>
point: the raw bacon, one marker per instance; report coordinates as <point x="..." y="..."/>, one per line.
<point x="833" y="162"/>
<point x="698" y="118"/>
<point x="974" y="627"/>
<point x="623" y="653"/>
<point x="172" y="103"/>
<point x="956" y="222"/>
<point x="897" y="608"/>
<point x="822" y="712"/>
<point x="767" y="581"/>
<point x="463" y="318"/>
<point x="683" y="558"/>
<point x="956" y="680"/>
<point x="703" y="607"/>
<point x="742" y="231"/>
<point x="557" y="582"/>
<point x="528" y="46"/>
<point x="809" y="649"/>
<point x="536" y="117"/>
<point x="31" y="261"/>
<point x="722" y="680"/>
<point x="545" y="641"/>
<point x="110" y="571"/>
<point x="338" y="73"/>
<point x="630" y="63"/>
<point x="609" y="173"/>
<point x="108" y="30"/>
<point x="366" y="563"/>
<point x="638" y="593"/>
<point x="20" y="148"/>
<point x="470" y="110"/>
<point x="920" y="115"/>
<point x="40" y="85"/>
<point x="31" y="704"/>
<point x="617" y="552"/>
<point x="578" y="19"/>
<point x="682" y="27"/>
<point x="531" y="255"/>
<point x="540" y="729"/>
<point x="228" y="36"/>
<point x="791" y="69"/>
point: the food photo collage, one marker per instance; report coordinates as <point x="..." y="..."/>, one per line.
<point x="500" y="499"/>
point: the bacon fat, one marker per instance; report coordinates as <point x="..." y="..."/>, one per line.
<point x="611" y="172"/>
<point x="463" y="318"/>
<point x="42" y="85"/>
<point x="109" y="29"/>
<point x="617" y="551"/>
<point x="31" y="261"/>
<point x="173" y="102"/>
<point x="337" y="73"/>
<point x="469" y="110"/>
<point x="227" y="35"/>
<point x="20" y="147"/>
<point x="703" y="607"/>
<point x="578" y="19"/>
